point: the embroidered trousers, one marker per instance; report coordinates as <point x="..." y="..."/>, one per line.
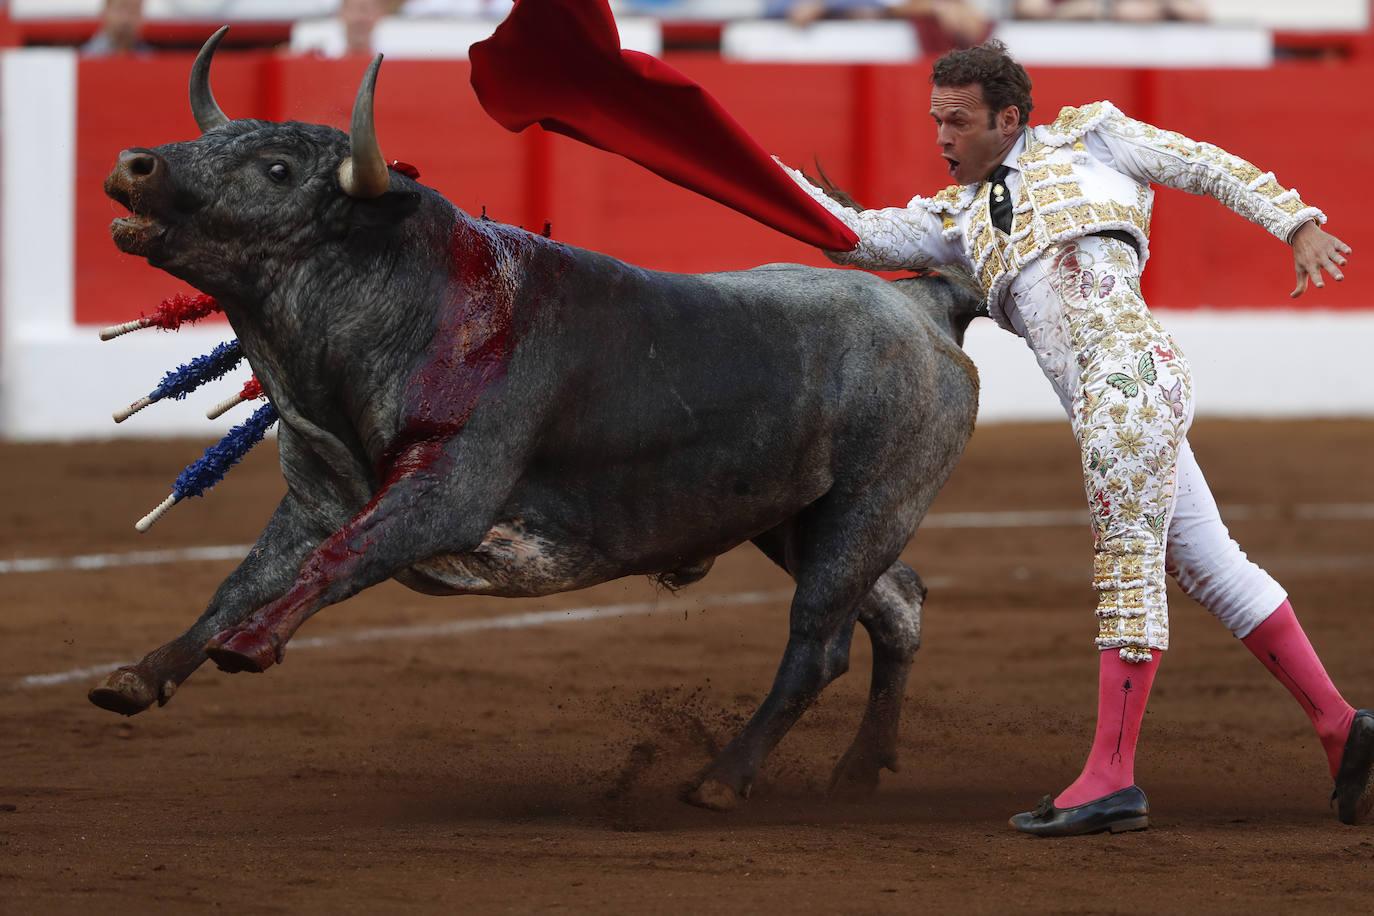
<point x="1127" y="389"/>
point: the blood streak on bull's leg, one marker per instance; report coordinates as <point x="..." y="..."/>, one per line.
<point x="472" y="347"/>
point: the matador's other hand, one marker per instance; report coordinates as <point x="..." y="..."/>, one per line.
<point x="1314" y="251"/>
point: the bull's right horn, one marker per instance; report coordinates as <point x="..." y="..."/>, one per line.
<point x="203" y="105"/>
<point x="364" y="173"/>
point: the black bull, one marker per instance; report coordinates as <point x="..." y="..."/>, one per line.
<point x="470" y="408"/>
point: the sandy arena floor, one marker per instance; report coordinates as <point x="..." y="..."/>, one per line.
<point x="537" y="768"/>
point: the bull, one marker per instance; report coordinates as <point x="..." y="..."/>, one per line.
<point x="473" y="409"/>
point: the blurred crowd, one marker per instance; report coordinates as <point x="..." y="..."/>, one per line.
<point x="943" y="24"/>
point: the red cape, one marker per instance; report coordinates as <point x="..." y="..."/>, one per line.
<point x="558" y="63"/>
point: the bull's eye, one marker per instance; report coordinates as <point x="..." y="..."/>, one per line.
<point x="278" y="172"/>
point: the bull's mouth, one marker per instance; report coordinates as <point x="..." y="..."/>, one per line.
<point x="135" y="233"/>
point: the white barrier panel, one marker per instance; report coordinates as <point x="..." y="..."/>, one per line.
<point x="1132" y="44"/>
<point x="400" y="38"/>
<point x="57" y="379"/>
<point x="1266" y="363"/>
<point x="827" y="41"/>
<point x="1313" y="15"/>
<point x="180" y="10"/>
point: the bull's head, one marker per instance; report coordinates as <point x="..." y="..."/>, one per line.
<point x="235" y="208"/>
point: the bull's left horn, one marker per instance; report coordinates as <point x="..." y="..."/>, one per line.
<point x="364" y="173"/>
<point x="203" y="105"/>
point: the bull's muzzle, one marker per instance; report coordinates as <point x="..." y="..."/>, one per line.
<point x="140" y="181"/>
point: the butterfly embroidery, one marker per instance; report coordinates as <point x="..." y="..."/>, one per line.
<point x="1093" y="288"/>
<point x="1156" y="523"/>
<point x="1129" y="385"/>
<point x="1173" y="397"/>
<point x="1164" y="354"/>
<point x="1155" y="463"/>
<point x="1099" y="464"/>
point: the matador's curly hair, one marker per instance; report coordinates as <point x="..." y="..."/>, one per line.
<point x="1004" y="81"/>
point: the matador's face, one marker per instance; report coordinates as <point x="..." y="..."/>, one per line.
<point x="972" y="139"/>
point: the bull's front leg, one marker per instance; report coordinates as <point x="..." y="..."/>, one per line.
<point x="414" y="515"/>
<point x="267" y="572"/>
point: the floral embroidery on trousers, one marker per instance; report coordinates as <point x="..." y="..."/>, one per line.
<point x="1131" y="408"/>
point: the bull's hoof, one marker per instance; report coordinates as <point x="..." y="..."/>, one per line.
<point x="714" y="795"/>
<point x="125" y="691"/>
<point x="241" y="650"/>
<point x="858" y="771"/>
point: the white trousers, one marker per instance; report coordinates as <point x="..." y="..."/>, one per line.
<point x="1127" y="390"/>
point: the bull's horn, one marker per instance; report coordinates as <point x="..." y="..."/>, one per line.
<point x="203" y="105"/>
<point x="364" y="173"/>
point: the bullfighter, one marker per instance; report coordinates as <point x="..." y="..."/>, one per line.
<point x="1054" y="222"/>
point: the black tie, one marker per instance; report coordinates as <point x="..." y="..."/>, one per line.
<point x="999" y="198"/>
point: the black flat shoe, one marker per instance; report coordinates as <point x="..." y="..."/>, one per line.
<point x="1354" y="795"/>
<point x="1125" y="809"/>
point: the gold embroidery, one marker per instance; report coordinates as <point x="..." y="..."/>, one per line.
<point x="1072" y="120"/>
<point x="948" y="196"/>
<point x="1058" y="222"/>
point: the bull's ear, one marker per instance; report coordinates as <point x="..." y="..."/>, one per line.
<point x="389" y="209"/>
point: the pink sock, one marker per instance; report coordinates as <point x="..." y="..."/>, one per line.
<point x="1123" y="688"/>
<point x="1281" y="645"/>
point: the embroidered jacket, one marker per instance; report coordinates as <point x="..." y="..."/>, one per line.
<point x="1088" y="171"/>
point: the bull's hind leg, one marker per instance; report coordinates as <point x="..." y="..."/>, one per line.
<point x="891" y="613"/>
<point x="833" y="573"/>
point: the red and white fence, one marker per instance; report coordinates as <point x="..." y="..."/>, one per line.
<point x="1219" y="283"/>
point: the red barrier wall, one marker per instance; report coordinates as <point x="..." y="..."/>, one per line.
<point x="867" y="125"/>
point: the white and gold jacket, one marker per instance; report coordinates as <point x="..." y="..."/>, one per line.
<point x="1089" y="171"/>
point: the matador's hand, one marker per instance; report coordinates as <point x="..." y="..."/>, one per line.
<point x="1314" y="251"/>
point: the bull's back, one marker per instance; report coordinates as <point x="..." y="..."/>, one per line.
<point x="782" y="353"/>
<point x="721" y="404"/>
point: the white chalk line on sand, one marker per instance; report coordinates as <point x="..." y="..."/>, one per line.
<point x="1033" y="518"/>
<point x="92" y="561"/>
<point x="452" y="628"/>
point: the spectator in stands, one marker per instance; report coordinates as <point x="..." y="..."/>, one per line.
<point x="455" y="9"/>
<point x="121" y="24"/>
<point x="805" y="12"/>
<point x="359" y="18"/>
<point x="942" y="24"/>
<point x="1121" y="10"/>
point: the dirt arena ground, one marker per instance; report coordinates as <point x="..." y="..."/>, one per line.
<point x="438" y="766"/>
